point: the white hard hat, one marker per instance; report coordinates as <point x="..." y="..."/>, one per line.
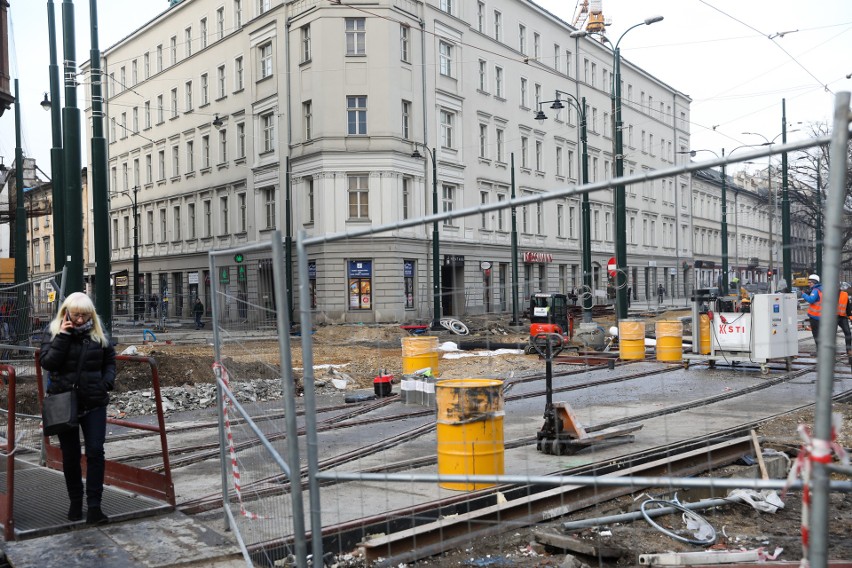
<point x="844" y="285"/>
<point x="813" y="277"/>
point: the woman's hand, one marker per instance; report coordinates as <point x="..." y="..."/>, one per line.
<point x="67" y="325"/>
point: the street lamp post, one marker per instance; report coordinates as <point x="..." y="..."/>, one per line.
<point x="136" y="297"/>
<point x="618" y="155"/>
<point x="436" y="246"/>
<point x="586" y="207"/>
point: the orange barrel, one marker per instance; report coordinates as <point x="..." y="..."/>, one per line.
<point x="669" y="341"/>
<point x="419" y="353"/>
<point x="704" y="330"/>
<point x="470" y="429"/>
<point x="631" y="339"/>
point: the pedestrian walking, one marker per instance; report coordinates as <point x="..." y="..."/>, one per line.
<point x="814" y="299"/>
<point x="660" y="293"/>
<point x="80" y="357"/>
<point x="198" y="311"/>
<point x="153" y="304"/>
<point x="844" y="310"/>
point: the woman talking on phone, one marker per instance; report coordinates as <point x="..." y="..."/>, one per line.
<point x="79" y="356"/>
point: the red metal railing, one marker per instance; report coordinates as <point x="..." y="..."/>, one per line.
<point x="7" y="501"/>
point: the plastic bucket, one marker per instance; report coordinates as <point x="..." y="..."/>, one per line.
<point x="669" y="341"/>
<point x="419" y="353"/>
<point x="704" y="329"/>
<point x="631" y="339"/>
<point x="470" y="429"/>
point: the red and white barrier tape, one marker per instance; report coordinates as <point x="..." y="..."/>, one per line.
<point x="231" y="449"/>
<point x="819" y="451"/>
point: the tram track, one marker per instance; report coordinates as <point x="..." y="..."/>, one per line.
<point x="278" y="484"/>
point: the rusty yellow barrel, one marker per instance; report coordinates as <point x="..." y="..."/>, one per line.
<point x="631" y="339"/>
<point x="470" y="429"/>
<point x="419" y="353"/>
<point x="669" y="341"/>
<point x="704" y="327"/>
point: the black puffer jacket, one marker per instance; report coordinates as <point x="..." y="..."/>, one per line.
<point x="74" y="359"/>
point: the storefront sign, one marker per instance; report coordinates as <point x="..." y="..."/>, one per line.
<point x="192" y="278"/>
<point x="538" y="257"/>
<point x="453" y="260"/>
<point x="360" y="268"/>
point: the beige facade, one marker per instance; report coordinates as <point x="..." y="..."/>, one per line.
<point x="346" y="95"/>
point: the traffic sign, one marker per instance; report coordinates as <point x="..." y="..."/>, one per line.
<point x="238" y="258"/>
<point x="611" y="267"/>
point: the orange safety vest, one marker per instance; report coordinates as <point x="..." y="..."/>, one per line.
<point x="815" y="309"/>
<point x="842" y="300"/>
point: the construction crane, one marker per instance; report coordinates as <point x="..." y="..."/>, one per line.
<point x="589" y="13"/>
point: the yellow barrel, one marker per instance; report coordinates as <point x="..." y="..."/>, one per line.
<point x="704" y="327"/>
<point x="631" y="339"/>
<point x="470" y="429"/>
<point x="419" y="353"/>
<point x="669" y="341"/>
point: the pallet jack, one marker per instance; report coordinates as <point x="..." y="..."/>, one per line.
<point x="562" y="433"/>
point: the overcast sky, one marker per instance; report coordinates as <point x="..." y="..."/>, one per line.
<point x="718" y="52"/>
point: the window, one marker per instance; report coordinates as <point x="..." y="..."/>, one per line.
<point x="174" y="103"/>
<point x="594" y="74"/>
<point x="568" y="62"/>
<point x="262" y="6"/>
<point x="163" y="226"/>
<point x="309" y="202"/>
<point x="238" y="13"/>
<point x="483" y="217"/>
<point x="356" y="36"/>
<point x="159" y="58"/>
<point x="572" y="215"/>
<point x="203" y="33"/>
<point x="112" y="128"/>
<point x="267" y="122"/>
<point x="498" y="81"/>
<point x="241" y="140"/>
<point x="557" y="52"/>
<point x="124" y="177"/>
<point x="445" y="52"/>
<point x="447" y="125"/>
<point x="406" y="198"/>
<point x="501" y="213"/>
<point x="176" y="221"/>
<point x="359" y="197"/>
<point x="265" y="60"/>
<point x="205" y="152"/>
<point x="190" y="158"/>
<point x="238" y="74"/>
<point x="524" y="89"/>
<point x="191" y="220"/>
<point x="500" y="144"/>
<point x="356" y="115"/>
<point x="539" y="218"/>
<point x="525" y="146"/>
<point x="570" y="168"/>
<point x="306" y="43"/>
<point x="220" y="24"/>
<point x="560" y="219"/>
<point x="208" y="219"/>
<point x="134" y="74"/>
<point x="220" y="82"/>
<point x="224" y="227"/>
<point x="269" y="206"/>
<point x="243" y="213"/>
<point x="124" y="125"/>
<point x="146" y="65"/>
<point x="135" y="120"/>
<point x="480" y="17"/>
<point x="538" y="156"/>
<point x="114" y="178"/>
<point x="406" y="120"/>
<point x="223" y="146"/>
<point x="175" y="161"/>
<point x="498" y="26"/>
<point x="205" y="97"/>
<point x="115" y="233"/>
<point x="173" y="49"/>
<point x="46" y="241"/>
<point x="483" y="76"/>
<point x="404" y="42"/>
<point x="448" y="200"/>
<point x="559" y="166"/>
<point x="522" y="39"/>
<point x="161" y="165"/>
<point x="483" y="140"/>
<point x="123" y="82"/>
<point x="188" y="41"/>
<point x="536" y="45"/>
<point x="149" y="168"/>
<point x="308" y="116"/>
<point x="160" y="117"/>
<point x="447" y="6"/>
<point x="537" y="93"/>
<point x="188" y="96"/>
<point x="150" y="217"/>
<point x="147" y="112"/>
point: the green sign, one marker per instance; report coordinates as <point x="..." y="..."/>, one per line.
<point x="238" y="258"/>
<point x="241" y="273"/>
<point x="224" y="275"/>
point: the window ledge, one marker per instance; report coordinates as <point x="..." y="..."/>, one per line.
<point x="222" y="166"/>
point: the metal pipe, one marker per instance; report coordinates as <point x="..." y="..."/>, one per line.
<point x="56" y="156"/>
<point x="627" y="517"/>
<point x="515" y="320"/>
<point x="73" y="159"/>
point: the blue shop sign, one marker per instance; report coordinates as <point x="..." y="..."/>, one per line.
<point x="312" y="270"/>
<point x="408" y="268"/>
<point x="360" y="268"/>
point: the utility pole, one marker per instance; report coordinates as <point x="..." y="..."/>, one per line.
<point x="819" y="237"/>
<point x="57" y="169"/>
<point x="100" y="191"/>
<point x="71" y="139"/>
<point x="23" y="319"/>
<point x="515" y="321"/>
<point x="785" y="204"/>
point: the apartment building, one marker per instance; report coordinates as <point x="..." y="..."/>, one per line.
<point x="207" y="104"/>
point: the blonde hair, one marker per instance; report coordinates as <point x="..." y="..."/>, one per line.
<point x="79" y="303"/>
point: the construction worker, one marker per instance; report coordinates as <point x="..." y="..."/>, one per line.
<point x="814" y="299"/>
<point x="844" y="312"/>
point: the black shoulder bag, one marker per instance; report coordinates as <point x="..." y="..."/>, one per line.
<point x="59" y="412"/>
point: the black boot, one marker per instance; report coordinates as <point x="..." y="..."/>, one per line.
<point x="75" y="511"/>
<point x="94" y="516"/>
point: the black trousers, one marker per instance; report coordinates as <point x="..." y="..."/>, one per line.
<point x="93" y="424"/>
<point x="842" y="323"/>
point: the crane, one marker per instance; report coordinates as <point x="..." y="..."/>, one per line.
<point x="589" y="13"/>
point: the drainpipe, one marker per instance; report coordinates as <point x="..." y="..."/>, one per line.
<point x="288" y="229"/>
<point x="426" y="205"/>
